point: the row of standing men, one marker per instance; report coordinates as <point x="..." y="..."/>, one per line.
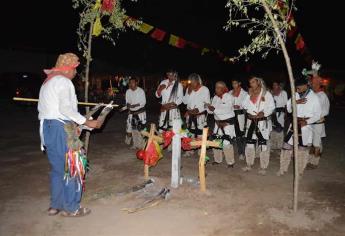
<point x="253" y="121"/>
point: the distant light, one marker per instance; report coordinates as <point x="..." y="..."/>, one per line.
<point x="189" y="82"/>
<point x="25" y="76"/>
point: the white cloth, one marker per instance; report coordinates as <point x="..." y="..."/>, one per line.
<point x="165" y="95"/>
<point x="197" y="99"/>
<point x="136" y="97"/>
<point x="312" y="110"/>
<point x="224" y="107"/>
<point x="280" y="101"/>
<point x="319" y="130"/>
<point x="266" y="106"/>
<point x="58" y="100"/>
<point x="238" y="101"/>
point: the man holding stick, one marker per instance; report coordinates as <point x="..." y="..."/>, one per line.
<point x="57" y="106"/>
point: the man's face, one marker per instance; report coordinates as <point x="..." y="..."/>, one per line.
<point x="254" y="83"/>
<point x="171" y="76"/>
<point x="194" y="84"/>
<point x="219" y="90"/>
<point x="275" y="86"/>
<point x="132" y="84"/>
<point x="302" y="88"/>
<point x="235" y="84"/>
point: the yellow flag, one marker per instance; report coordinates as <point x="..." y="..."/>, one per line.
<point x="97" y="5"/>
<point x="173" y="40"/>
<point x="204" y="51"/>
<point x="97" y="27"/>
<point x="145" y="28"/>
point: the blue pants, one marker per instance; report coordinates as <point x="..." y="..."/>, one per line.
<point x="64" y="196"/>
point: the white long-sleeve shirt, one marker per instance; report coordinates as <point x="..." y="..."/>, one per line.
<point x="223" y="107"/>
<point x="311" y="109"/>
<point x="165" y="94"/>
<point x="238" y="101"/>
<point x="267" y="106"/>
<point x="281" y="99"/>
<point x="136" y="97"/>
<point x="324" y="102"/>
<point x="57" y="100"/>
<point x="197" y="99"/>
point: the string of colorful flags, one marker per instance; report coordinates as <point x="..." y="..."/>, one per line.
<point x="179" y="42"/>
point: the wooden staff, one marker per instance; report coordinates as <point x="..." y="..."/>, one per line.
<point x="79" y="103"/>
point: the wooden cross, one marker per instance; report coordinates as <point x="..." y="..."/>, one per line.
<point x="151" y="136"/>
<point x="203" y="143"/>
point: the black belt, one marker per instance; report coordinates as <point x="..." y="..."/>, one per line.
<point x="230" y="121"/>
<point x="280" y="109"/>
<point x="193" y="119"/>
<point x="239" y="112"/>
<point x="257" y="119"/>
<point x="137" y="112"/>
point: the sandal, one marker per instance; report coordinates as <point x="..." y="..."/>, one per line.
<point x="82" y="211"/>
<point x="53" y="212"/>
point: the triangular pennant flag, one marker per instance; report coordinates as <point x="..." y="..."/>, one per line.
<point x="158" y="34"/>
<point x="177" y="41"/>
<point x="299" y="43"/>
<point x="145" y="28"/>
<point x="204" y="51"/>
<point x="194" y="45"/>
<point x="97" y="27"/>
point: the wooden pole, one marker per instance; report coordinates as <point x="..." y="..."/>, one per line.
<point x="293" y="99"/>
<point x="79" y="103"/>
<point x="152" y="133"/>
<point x="176" y="155"/>
<point x="87" y="74"/>
<point x="202" y="159"/>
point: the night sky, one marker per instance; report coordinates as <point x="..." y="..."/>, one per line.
<point x="49" y="26"/>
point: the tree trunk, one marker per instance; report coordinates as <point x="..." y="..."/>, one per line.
<point x="293" y="100"/>
<point x="87" y="73"/>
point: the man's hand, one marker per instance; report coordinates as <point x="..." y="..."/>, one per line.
<point x="92" y="124"/>
<point x="301" y="101"/>
<point x="211" y="108"/>
<point x="194" y="111"/>
<point x="302" y="123"/>
<point x="160" y="88"/>
<point x="237" y="107"/>
<point x="260" y="115"/>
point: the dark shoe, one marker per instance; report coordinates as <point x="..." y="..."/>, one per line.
<point x="311" y="167"/>
<point x="53" y="211"/>
<point x="231" y="166"/>
<point x="215" y="163"/>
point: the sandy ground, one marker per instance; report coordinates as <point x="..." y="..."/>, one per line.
<point x="236" y="203"/>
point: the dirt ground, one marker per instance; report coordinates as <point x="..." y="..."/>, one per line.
<point x="236" y="203"/>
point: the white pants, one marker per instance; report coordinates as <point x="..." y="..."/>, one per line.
<point x="174" y="114"/>
<point x="201" y="122"/>
<point x="129" y="125"/>
<point x="277" y="139"/>
<point x="228" y="151"/>
<point x="264" y="155"/>
<point x="285" y="159"/>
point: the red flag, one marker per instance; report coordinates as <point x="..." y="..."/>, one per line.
<point x="299" y="43"/>
<point x="194" y="45"/>
<point x="108" y="5"/>
<point x="158" y="34"/>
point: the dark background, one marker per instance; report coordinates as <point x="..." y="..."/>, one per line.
<point x="49" y="27"/>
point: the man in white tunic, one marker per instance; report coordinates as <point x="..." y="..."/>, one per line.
<point x="195" y="98"/>
<point x="278" y="117"/>
<point x="136" y="121"/>
<point x="319" y="131"/>
<point x="239" y="94"/>
<point x="57" y="106"/>
<point x="171" y="92"/>
<point x="308" y="112"/>
<point x="222" y="109"/>
<point x="259" y="106"/>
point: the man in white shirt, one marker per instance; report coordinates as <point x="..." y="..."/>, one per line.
<point x="195" y="98"/>
<point x="259" y="106"/>
<point x="319" y="131"/>
<point x="222" y="109"/>
<point x="278" y="117"/>
<point x="308" y="112"/>
<point x="239" y="94"/>
<point x="136" y="121"/>
<point x="171" y="92"/>
<point x="58" y="105"/>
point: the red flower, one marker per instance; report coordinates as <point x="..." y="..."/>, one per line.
<point x="108" y="5"/>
